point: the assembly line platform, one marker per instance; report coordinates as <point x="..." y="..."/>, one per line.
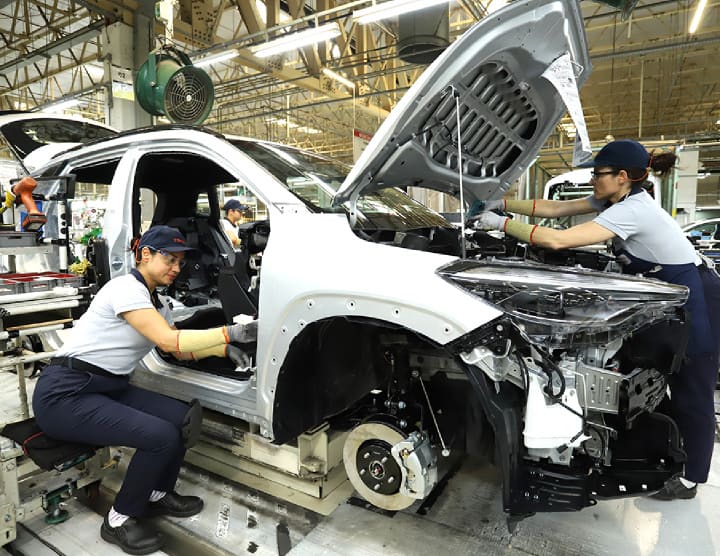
<point x="465" y="519"/>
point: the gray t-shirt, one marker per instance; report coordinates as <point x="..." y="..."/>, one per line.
<point x="102" y="337"/>
<point x="645" y="230"/>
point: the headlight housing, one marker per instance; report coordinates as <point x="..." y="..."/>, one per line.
<point x="561" y="306"/>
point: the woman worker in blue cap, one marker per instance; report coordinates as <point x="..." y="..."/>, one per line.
<point x="646" y="240"/>
<point x="83" y="395"/>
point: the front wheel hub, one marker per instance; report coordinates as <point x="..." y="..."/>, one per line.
<point x="377" y="467"/>
<point x="371" y="468"/>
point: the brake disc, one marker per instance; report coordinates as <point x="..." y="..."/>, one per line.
<point x="371" y="468"/>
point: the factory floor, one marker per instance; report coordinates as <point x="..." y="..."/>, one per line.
<point x="466" y="518"/>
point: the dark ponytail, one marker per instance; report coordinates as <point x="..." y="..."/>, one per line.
<point x="662" y="163"/>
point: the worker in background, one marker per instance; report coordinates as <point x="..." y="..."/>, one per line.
<point x="83" y="395"/>
<point x="646" y="240"/>
<point x="234" y="210"/>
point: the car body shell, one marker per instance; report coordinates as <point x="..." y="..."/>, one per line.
<point x="353" y="321"/>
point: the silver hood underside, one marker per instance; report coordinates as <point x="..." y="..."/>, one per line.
<point x="507" y="109"/>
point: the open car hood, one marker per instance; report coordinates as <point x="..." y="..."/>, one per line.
<point x="35" y="137"/>
<point x="507" y="108"/>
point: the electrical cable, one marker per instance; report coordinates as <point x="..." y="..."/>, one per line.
<point x="549" y="387"/>
<point x="549" y="363"/>
<point x="524" y="373"/>
<point x="556" y="398"/>
<point x="571" y="410"/>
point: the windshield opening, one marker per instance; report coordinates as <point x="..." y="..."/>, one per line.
<point x="315" y="179"/>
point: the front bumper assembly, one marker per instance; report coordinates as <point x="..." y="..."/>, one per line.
<point x="643" y="458"/>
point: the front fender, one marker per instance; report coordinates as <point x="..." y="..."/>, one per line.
<point x="316" y="268"/>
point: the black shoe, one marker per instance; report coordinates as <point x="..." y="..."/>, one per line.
<point x="133" y="536"/>
<point x="176" y="505"/>
<point x="675" y="490"/>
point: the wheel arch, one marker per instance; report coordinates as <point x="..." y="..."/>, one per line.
<point x="330" y="366"/>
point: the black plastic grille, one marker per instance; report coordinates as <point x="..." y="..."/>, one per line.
<point x="497" y="119"/>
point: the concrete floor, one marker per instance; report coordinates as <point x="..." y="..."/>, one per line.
<point x="466" y="519"/>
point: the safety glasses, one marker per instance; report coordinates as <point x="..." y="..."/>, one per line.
<point x="170" y="259"/>
<point x="596" y="175"/>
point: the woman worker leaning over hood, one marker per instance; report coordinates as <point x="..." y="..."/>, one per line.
<point x="646" y="240"/>
<point x="83" y="395"/>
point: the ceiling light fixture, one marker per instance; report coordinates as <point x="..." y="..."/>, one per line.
<point x="385" y="10"/>
<point x="308" y="130"/>
<point x="339" y="78"/>
<point x="297" y="40"/>
<point x="282" y="121"/>
<point x="292" y="125"/>
<point x="61" y="106"/>
<point x="215" y="58"/>
<point x="697" y="17"/>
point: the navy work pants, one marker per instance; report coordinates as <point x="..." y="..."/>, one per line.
<point x="692" y="390"/>
<point x="692" y="402"/>
<point x="77" y="406"/>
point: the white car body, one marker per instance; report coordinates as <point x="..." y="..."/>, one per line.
<point x="368" y="314"/>
<point x="705" y="236"/>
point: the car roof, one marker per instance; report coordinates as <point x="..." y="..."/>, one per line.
<point x="698" y="223"/>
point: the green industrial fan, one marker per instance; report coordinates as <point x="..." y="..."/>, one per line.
<point x="168" y="84"/>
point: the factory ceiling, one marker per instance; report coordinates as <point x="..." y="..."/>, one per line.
<point x="651" y="78"/>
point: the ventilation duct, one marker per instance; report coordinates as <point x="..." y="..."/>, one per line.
<point x="625" y="6"/>
<point x="423" y="34"/>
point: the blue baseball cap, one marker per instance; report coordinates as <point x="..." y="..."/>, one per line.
<point x="624" y="153"/>
<point x="234" y="204"/>
<point x="164" y="238"/>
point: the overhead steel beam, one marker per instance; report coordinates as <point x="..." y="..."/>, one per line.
<point x="643" y="7"/>
<point x="301" y="79"/>
<point x="652" y="49"/>
<point x="16" y="86"/>
<point x="65" y="43"/>
<point x="369" y="109"/>
<point x="73" y="95"/>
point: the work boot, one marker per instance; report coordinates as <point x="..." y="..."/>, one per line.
<point x="133" y="536"/>
<point x="176" y="505"/>
<point x="675" y="490"/>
